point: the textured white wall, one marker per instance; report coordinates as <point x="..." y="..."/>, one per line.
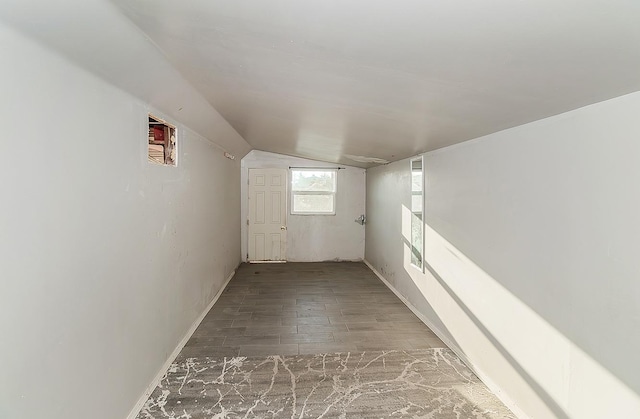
<point x="532" y="247"/>
<point x="315" y="238"/>
<point x="106" y="260"/>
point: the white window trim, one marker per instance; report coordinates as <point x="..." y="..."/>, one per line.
<point x="293" y="193"/>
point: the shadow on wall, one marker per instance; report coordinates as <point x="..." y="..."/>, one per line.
<point x="416" y="289"/>
<point x="535" y="360"/>
<point x="548" y="400"/>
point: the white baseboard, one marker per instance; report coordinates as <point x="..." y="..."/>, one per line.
<point x="140" y="403"/>
<point x="491" y="385"/>
<point x="267" y="261"/>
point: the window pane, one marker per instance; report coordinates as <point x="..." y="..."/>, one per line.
<point x="313" y="180"/>
<point x="313" y="203"/>
<point x="416" y="203"/>
<point x="416" y="180"/>
<point x="416" y="240"/>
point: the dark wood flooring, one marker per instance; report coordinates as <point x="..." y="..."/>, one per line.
<point x="307" y="308"/>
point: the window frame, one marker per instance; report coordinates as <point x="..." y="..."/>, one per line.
<point x="293" y="192"/>
<point x="413" y="193"/>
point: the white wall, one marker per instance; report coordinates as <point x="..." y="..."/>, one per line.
<point x="106" y="260"/>
<point x="315" y="238"/>
<point x="532" y="240"/>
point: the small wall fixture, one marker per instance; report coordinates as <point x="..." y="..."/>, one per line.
<point x="361" y="220"/>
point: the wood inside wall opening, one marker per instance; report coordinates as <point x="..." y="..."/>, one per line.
<point x="162" y="142"/>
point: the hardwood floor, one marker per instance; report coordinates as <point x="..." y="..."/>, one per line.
<point x="307" y="308"/>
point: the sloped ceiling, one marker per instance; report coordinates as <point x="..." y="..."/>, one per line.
<point x="335" y="80"/>
<point x="95" y="36"/>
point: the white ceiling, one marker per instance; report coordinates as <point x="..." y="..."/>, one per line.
<point x="330" y="80"/>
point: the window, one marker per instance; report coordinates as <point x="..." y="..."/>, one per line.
<point x="162" y="142"/>
<point x="313" y="191"/>
<point x="417" y="221"/>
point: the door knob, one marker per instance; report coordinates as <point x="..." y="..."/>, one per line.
<point x="283" y="227"/>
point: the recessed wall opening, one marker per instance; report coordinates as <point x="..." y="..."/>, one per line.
<point x="163" y="142"/>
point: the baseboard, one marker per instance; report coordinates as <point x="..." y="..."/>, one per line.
<point x="267" y="261"/>
<point x="324" y="260"/>
<point x="140" y="403"/>
<point x="491" y="385"/>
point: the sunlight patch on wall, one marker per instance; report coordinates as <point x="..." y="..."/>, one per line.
<point x="509" y="342"/>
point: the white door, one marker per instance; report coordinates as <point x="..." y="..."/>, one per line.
<point x="267" y="214"/>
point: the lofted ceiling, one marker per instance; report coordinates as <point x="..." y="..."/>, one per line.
<point x="352" y="81"/>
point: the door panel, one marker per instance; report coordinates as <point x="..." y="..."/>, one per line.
<point x="259" y="213"/>
<point x="267" y="214"/>
<point x="276" y="208"/>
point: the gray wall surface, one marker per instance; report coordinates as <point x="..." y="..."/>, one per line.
<point x="531" y="252"/>
<point x="107" y="260"/>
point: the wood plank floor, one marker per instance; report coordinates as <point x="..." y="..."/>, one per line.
<point x="307" y="308"/>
